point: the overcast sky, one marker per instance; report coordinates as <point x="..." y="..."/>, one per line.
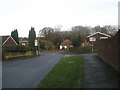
<point x="22" y="14"/>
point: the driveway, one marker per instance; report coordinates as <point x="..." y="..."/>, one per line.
<point x="27" y="73"/>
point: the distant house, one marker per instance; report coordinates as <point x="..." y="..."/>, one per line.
<point x="23" y="41"/>
<point x="84" y="43"/>
<point x="46" y="44"/>
<point x="93" y="38"/>
<point x="8" y="40"/>
<point x="66" y="44"/>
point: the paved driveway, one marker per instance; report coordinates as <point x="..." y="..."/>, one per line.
<point x="27" y="73"/>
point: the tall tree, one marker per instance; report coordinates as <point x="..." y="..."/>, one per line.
<point x="48" y="33"/>
<point x="83" y="31"/>
<point x="32" y="37"/>
<point x="111" y="29"/>
<point x="76" y="40"/>
<point x="14" y="35"/>
<point x="101" y="29"/>
<point x="58" y="39"/>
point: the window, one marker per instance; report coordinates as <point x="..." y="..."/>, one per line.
<point x="103" y="37"/>
<point x="92" y="39"/>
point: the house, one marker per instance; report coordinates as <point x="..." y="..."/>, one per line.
<point x="84" y="43"/>
<point x="45" y="44"/>
<point x="66" y="44"/>
<point x="93" y="38"/>
<point x="23" y="41"/>
<point x="8" y="40"/>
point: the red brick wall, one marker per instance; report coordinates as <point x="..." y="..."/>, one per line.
<point x="109" y="50"/>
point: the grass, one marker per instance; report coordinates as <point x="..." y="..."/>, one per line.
<point x="65" y="53"/>
<point x="67" y="73"/>
<point x="48" y="50"/>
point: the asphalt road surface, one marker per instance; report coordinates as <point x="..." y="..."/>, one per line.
<point x="27" y="73"/>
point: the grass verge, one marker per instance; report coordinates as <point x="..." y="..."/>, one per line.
<point x="67" y="73"/>
<point x="65" y="53"/>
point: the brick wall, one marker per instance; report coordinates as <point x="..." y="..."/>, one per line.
<point x="109" y="50"/>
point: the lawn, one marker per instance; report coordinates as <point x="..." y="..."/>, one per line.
<point x="67" y="73"/>
<point x="65" y="53"/>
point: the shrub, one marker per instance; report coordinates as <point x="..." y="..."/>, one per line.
<point x="81" y="49"/>
<point x="42" y="46"/>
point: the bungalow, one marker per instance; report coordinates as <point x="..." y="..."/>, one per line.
<point x="66" y="44"/>
<point x="8" y="40"/>
<point x="93" y="38"/>
<point x="23" y="41"/>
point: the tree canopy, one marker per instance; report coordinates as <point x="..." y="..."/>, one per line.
<point x="77" y="34"/>
<point x="32" y="37"/>
<point x="14" y="35"/>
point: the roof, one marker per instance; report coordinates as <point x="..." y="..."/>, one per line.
<point x="66" y="42"/>
<point x="98" y="33"/>
<point x="5" y="38"/>
<point x="23" y="39"/>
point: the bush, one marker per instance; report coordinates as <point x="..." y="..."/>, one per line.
<point x="42" y="46"/>
<point x="81" y="49"/>
<point x="16" y="48"/>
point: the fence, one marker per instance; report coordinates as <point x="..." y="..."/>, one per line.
<point x="109" y="50"/>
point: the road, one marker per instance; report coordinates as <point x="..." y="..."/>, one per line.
<point x="27" y="73"/>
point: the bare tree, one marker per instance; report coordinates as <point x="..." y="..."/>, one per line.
<point x="80" y="30"/>
<point x="48" y="33"/>
<point x="111" y="29"/>
<point x="57" y="28"/>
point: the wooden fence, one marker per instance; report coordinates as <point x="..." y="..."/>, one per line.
<point x="109" y="50"/>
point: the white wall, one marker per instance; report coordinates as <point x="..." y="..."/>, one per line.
<point x="63" y="46"/>
<point x="60" y="47"/>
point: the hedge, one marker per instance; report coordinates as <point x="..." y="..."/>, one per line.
<point x="16" y="48"/>
<point x="81" y="49"/>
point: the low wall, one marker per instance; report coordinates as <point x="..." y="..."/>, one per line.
<point x="109" y="50"/>
<point x="17" y="54"/>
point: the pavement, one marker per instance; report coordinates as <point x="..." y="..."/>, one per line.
<point x="28" y="72"/>
<point x="98" y="74"/>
